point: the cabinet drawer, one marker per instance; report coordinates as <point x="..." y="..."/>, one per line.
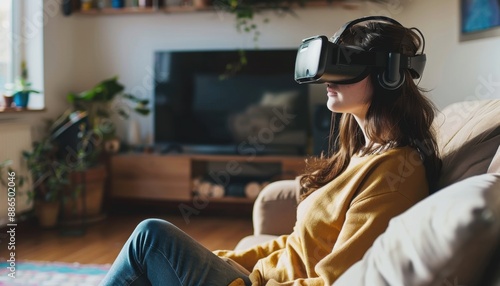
<point x="151" y="177"/>
<point x="135" y="189"/>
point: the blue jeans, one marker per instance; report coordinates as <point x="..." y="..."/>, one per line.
<point x="159" y="253"/>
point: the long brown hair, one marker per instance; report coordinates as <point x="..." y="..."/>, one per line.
<point x="401" y="117"/>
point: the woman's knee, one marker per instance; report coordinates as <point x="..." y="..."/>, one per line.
<point x="154" y="228"/>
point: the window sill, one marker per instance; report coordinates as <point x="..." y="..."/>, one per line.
<point x="18" y="110"/>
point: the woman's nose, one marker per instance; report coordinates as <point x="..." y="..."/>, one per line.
<point x="331" y="84"/>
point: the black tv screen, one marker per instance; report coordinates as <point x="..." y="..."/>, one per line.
<point x="201" y="106"/>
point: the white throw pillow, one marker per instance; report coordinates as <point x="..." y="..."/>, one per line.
<point x="446" y="239"/>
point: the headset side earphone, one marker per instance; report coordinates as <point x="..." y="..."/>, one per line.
<point x="393" y="77"/>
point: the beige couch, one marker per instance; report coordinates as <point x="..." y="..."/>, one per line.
<point x="450" y="238"/>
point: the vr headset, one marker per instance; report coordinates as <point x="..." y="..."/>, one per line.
<point x="320" y="60"/>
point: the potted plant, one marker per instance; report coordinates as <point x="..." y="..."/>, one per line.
<point x="50" y="179"/>
<point x="69" y="134"/>
<point x="21" y="88"/>
<point x="82" y="135"/>
<point x="56" y="172"/>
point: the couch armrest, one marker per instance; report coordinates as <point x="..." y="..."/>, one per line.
<point x="275" y="209"/>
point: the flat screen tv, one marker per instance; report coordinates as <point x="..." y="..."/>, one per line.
<point x="202" y="107"/>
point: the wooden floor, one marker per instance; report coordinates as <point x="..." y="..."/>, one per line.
<point x="101" y="241"/>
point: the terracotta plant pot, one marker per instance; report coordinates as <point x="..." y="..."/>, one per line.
<point x="8" y="100"/>
<point x="47" y="213"/>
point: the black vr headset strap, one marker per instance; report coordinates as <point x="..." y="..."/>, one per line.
<point x="392" y="78"/>
<point x="348" y="25"/>
<point x="351" y="55"/>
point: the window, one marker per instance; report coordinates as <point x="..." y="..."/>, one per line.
<point x="21" y="41"/>
<point x="6" y="55"/>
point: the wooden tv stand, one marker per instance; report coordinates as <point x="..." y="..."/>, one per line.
<point x="170" y="177"/>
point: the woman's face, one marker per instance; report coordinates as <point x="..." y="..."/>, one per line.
<point x="350" y="98"/>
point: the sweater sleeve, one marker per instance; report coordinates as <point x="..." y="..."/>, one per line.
<point x="249" y="257"/>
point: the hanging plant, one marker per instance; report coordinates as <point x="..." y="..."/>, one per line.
<point x="244" y="12"/>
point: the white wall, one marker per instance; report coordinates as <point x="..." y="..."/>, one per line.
<point x="80" y="50"/>
<point x="124" y="44"/>
<point x="455" y="70"/>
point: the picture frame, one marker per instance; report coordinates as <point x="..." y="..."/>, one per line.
<point x="479" y="19"/>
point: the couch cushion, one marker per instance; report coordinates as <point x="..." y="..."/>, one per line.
<point x="253" y="240"/>
<point x="445" y="239"/>
<point x="468" y="135"/>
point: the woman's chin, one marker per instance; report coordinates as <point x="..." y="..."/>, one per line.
<point x="332" y="105"/>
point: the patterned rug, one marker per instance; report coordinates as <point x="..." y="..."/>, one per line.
<point x="31" y="273"/>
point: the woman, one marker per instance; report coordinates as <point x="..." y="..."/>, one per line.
<point x="386" y="162"/>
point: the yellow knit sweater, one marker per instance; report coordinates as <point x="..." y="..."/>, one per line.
<point x="337" y="223"/>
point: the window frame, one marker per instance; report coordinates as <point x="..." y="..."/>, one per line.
<point x="16" y="29"/>
<point x="19" y="50"/>
<point x="10" y="48"/>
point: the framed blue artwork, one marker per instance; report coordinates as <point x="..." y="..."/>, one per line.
<point x="479" y="19"/>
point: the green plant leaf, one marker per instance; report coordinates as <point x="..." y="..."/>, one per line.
<point x="106" y="90"/>
<point x="135" y="99"/>
<point x="142" y="110"/>
<point x="5" y="163"/>
<point x="122" y="113"/>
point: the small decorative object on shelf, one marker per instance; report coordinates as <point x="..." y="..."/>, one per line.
<point x="157" y="4"/>
<point x="134" y="133"/>
<point x="170" y="3"/>
<point x="86" y="5"/>
<point x="145" y="3"/>
<point x="101" y="4"/>
<point x="67" y="7"/>
<point x="8" y="100"/>
<point x="112" y="146"/>
<point x="200" y="3"/>
<point x="117" y="3"/>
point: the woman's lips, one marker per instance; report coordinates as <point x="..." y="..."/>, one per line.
<point x="330" y="92"/>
